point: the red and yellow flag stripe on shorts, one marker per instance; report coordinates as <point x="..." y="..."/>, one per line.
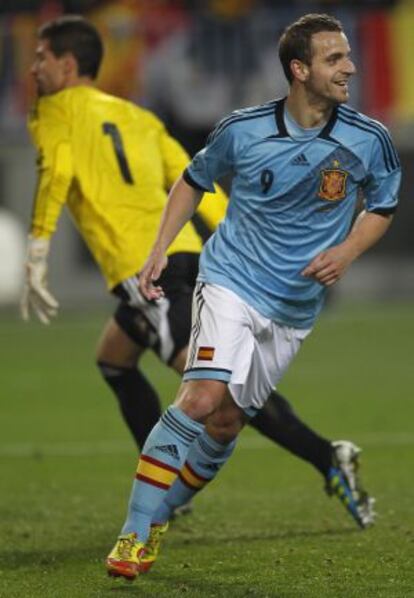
<point x="191" y="479"/>
<point x="155" y="472"/>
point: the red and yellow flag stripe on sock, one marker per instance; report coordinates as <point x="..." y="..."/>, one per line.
<point x="191" y="479"/>
<point x="156" y="473"/>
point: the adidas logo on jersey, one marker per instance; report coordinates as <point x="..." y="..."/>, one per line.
<point x="170" y="449"/>
<point x="300" y="160"/>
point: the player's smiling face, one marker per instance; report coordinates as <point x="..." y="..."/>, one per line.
<point x="331" y="67"/>
<point x="48" y="70"/>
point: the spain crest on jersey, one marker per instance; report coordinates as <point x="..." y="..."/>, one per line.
<point x="333" y="184"/>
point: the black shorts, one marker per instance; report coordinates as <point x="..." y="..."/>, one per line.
<point x="163" y="326"/>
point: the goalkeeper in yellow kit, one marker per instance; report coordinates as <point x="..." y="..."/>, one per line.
<point x="112" y="163"/>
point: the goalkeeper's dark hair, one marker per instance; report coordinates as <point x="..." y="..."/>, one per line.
<point x="74" y="34"/>
<point x="296" y="40"/>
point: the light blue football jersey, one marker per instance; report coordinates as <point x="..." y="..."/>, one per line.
<point x="292" y="197"/>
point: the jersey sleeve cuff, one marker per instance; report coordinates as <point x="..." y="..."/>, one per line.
<point x="383" y="211"/>
<point x="190" y="181"/>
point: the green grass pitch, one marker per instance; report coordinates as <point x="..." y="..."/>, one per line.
<point x="263" y="528"/>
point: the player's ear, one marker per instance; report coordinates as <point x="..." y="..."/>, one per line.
<point x="70" y="64"/>
<point x="300" y="70"/>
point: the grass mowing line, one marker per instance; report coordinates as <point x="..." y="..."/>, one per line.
<point x="88" y="449"/>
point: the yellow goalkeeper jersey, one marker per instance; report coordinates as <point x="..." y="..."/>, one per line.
<point x="112" y="163"/>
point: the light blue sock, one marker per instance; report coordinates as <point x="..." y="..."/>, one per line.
<point x="204" y="460"/>
<point x="162" y="457"/>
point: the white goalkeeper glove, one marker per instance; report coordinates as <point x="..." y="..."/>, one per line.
<point x="35" y="293"/>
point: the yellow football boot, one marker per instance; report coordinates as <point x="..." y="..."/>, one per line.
<point x="152" y="547"/>
<point x="124" y="558"/>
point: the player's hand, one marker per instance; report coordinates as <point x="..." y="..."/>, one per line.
<point x="36" y="295"/>
<point x="330" y="265"/>
<point x="150" y="273"/>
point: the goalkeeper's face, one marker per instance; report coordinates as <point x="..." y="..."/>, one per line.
<point x="49" y="71"/>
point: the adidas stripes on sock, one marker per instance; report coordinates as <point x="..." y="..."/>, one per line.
<point x="162" y="458"/>
<point x="205" y="459"/>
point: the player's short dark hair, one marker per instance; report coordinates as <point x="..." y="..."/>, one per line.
<point x="296" y="40"/>
<point x="74" y="34"/>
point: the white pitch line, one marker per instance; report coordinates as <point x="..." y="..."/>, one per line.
<point x="87" y="449"/>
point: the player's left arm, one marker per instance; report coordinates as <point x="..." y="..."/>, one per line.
<point x="380" y="190"/>
<point x="55" y="174"/>
<point x="330" y="265"/>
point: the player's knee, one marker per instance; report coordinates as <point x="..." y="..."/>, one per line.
<point x="196" y="406"/>
<point x="116" y="358"/>
<point x="199" y="399"/>
<point x="224" y="434"/>
<point x="107" y="370"/>
<point x="225" y="425"/>
<point x="115" y="347"/>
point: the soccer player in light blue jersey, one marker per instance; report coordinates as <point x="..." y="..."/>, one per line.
<point x="299" y="165"/>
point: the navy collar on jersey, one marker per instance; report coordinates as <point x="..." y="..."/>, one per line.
<point x="281" y="127"/>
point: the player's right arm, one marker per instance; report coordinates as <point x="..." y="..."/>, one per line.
<point x="215" y="160"/>
<point x="182" y="204"/>
<point x="55" y="172"/>
<point x="329" y="266"/>
<point x="213" y="206"/>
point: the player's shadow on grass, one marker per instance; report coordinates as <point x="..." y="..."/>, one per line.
<point x="173" y="584"/>
<point x="252" y="537"/>
<point x="53" y="558"/>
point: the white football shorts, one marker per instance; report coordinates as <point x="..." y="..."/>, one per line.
<point x="232" y="342"/>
